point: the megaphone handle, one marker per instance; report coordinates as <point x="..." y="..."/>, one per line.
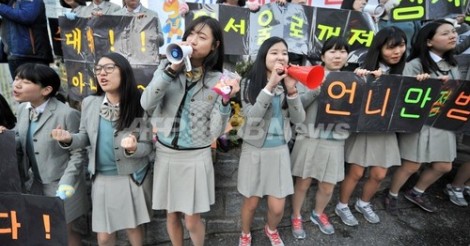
<point x="187" y="64"/>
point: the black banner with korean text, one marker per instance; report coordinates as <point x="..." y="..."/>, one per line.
<point x="85" y="40"/>
<point x="409" y="10"/>
<point x="32" y="220"/>
<point x="392" y="103"/>
<point x="9" y="175"/>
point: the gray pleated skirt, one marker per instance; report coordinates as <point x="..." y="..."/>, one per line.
<point x="320" y="159"/>
<point x="75" y="206"/>
<point x="428" y="145"/>
<point x="183" y="180"/>
<point x="265" y="171"/>
<point x="119" y="203"/>
<point x="372" y="149"/>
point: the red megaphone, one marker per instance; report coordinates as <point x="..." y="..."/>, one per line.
<point x="310" y="76"/>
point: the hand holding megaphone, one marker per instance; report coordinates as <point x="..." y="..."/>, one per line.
<point x="309" y="76"/>
<point x="178" y="53"/>
<point x="375" y="10"/>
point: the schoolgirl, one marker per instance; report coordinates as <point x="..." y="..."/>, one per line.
<point x="378" y="151"/>
<point x="318" y="153"/>
<point x="56" y="171"/>
<point x="431" y="57"/>
<point x="270" y="102"/>
<point x="189" y="115"/>
<point x="119" y="136"/>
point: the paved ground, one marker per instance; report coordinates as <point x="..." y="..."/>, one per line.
<point x="449" y="226"/>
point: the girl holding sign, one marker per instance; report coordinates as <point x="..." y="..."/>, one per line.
<point x="270" y="101"/>
<point x="56" y="171"/>
<point x="317" y="153"/>
<point x="431" y="57"/>
<point x="189" y="116"/>
<point x="379" y="151"/>
<point x="120" y="141"/>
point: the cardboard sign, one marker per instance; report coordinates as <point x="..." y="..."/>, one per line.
<point x="9" y="175"/>
<point x="389" y="104"/>
<point x="32" y="220"/>
<point x="85" y="40"/>
<point x="409" y="10"/>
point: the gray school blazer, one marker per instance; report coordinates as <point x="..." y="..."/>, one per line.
<point x="54" y="163"/>
<point x="88" y="136"/>
<point x="163" y="96"/>
<point x="258" y="117"/>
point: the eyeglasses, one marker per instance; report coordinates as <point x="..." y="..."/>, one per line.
<point x="108" y="68"/>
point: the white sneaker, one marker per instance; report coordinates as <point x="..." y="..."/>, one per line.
<point x="368" y="212"/>
<point x="456" y="195"/>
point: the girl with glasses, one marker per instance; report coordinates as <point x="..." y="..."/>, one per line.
<point x="114" y="126"/>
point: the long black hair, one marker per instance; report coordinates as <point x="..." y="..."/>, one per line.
<point x="348" y="4"/>
<point x="215" y="59"/>
<point x="129" y="105"/>
<point x="420" y="47"/>
<point x="7" y="118"/>
<point x="391" y="37"/>
<point x="257" y="77"/>
<point x="240" y="3"/>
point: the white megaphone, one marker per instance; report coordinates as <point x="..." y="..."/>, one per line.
<point x="178" y="53"/>
<point x="375" y="10"/>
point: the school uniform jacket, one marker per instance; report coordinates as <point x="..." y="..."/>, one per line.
<point x="258" y="117"/>
<point x="163" y="96"/>
<point x="107" y="9"/>
<point x="54" y="163"/>
<point x="148" y="14"/>
<point x="88" y="136"/>
<point x="414" y="67"/>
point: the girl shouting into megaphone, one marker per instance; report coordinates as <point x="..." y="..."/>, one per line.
<point x="270" y="102"/>
<point x="189" y="115"/>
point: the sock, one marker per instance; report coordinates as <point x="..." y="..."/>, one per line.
<point x="269" y="230"/>
<point x="246" y="234"/>
<point x="418" y="191"/>
<point x="341" y="205"/>
<point x="361" y="203"/>
<point x="296" y="217"/>
<point x="395" y="195"/>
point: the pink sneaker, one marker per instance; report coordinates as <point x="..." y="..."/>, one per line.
<point x="297" y="228"/>
<point x="273" y="237"/>
<point x="245" y="240"/>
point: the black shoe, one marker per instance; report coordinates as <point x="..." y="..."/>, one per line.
<point x="391" y="204"/>
<point x="420" y="200"/>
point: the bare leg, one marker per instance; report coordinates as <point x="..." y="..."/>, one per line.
<point x="106" y="239"/>
<point x="197" y="229"/>
<point x="402" y="174"/>
<point x="350" y="181"/>
<point x="74" y="237"/>
<point x="248" y="211"/>
<point x="136" y="236"/>
<point x="323" y="196"/>
<point x="300" y="192"/>
<point x="175" y="228"/>
<point x="377" y="174"/>
<point x="462" y="176"/>
<point x="275" y="211"/>
<point x="432" y="174"/>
